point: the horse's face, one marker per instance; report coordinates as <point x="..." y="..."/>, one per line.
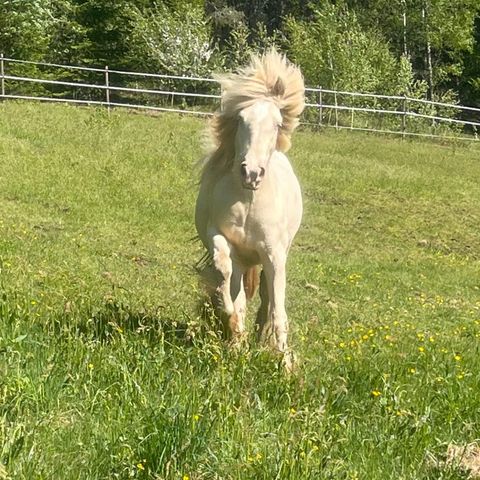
<point x="255" y="141"/>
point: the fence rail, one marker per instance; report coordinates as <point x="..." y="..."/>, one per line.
<point x="391" y="114"/>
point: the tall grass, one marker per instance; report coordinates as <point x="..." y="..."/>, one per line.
<point x="110" y="369"/>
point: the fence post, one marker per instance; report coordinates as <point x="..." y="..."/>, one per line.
<point x="351" y="113"/>
<point x="320" y="109"/>
<point x="404" y="116"/>
<point x="336" y="110"/>
<point x="2" y="74"/>
<point x="107" y="91"/>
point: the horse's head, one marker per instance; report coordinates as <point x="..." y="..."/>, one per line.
<point x="256" y="140"/>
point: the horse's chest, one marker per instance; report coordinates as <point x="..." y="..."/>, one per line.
<point x="242" y="226"/>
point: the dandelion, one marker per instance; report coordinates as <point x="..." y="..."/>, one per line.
<point x="90" y="366"/>
<point x="376" y="393"/>
<point x="457" y="357"/>
<point x="196" y="417"/>
<point x="411" y="370"/>
<point x="140" y="466"/>
<point x="185" y="477"/>
<point x="341" y="344"/>
<point x="292" y="411"/>
<point x="421" y="349"/>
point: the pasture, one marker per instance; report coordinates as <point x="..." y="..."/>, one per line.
<point x="110" y="368"/>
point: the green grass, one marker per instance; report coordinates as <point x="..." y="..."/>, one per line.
<point x="109" y="370"/>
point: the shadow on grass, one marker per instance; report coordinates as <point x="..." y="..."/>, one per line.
<point x="110" y="318"/>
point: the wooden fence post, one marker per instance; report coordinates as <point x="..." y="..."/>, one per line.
<point x="107" y="91"/>
<point x="2" y="74"/>
<point x="404" y="116"/>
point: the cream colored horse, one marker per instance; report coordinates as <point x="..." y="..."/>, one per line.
<point x="249" y="205"/>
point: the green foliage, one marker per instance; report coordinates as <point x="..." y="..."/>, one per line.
<point x="446" y="26"/>
<point x="109" y="370"/>
<point x="334" y="51"/>
<point x="170" y="41"/>
<point x="25" y="28"/>
<point x="383" y="46"/>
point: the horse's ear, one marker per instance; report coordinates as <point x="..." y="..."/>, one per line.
<point x="279" y="88"/>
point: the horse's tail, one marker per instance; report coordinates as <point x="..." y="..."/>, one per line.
<point x="251" y="281"/>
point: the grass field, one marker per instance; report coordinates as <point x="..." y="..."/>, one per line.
<point x="108" y="370"/>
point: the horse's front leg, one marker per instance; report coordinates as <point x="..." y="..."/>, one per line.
<point x="275" y="330"/>
<point x="221" y="254"/>
<point x="236" y="321"/>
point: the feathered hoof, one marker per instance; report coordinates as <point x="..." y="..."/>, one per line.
<point x="289" y="362"/>
<point x="238" y="341"/>
<point x="224" y="302"/>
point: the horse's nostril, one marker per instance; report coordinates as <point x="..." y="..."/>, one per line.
<point x="262" y="172"/>
<point x="243" y="169"/>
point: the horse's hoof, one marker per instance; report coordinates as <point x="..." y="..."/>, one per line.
<point x="238" y="340"/>
<point x="289" y="362"/>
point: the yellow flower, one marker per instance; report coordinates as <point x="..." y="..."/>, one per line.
<point x="196" y="417"/>
<point x="90" y="366"/>
<point x="140" y="466"/>
<point x="292" y="411"/>
<point x="411" y="370"/>
<point x="185" y="477"/>
<point x="457" y="357"/>
<point x="421" y="349"/>
<point x="376" y="393"/>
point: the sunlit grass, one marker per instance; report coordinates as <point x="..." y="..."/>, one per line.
<point x="109" y="368"/>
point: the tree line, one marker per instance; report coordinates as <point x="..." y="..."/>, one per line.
<point x="420" y="48"/>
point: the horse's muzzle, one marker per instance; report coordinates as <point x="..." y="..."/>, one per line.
<point x="251" y="177"/>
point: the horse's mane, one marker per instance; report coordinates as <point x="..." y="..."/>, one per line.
<point x="269" y="76"/>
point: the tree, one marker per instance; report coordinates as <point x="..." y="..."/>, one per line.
<point x="25" y="28"/>
<point x="435" y="34"/>
<point x="336" y="52"/>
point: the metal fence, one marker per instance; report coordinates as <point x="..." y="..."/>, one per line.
<point x="391" y="114"/>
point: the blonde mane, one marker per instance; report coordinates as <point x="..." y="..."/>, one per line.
<point x="269" y="76"/>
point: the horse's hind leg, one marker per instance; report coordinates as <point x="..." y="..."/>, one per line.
<point x="262" y="313"/>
